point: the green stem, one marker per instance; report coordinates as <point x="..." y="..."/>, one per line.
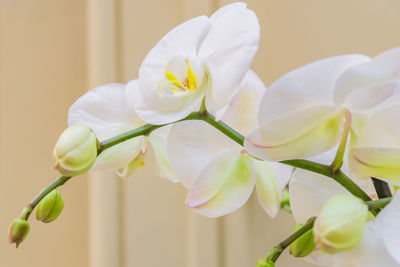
<point x="224" y="128"/>
<point x="26" y="212"/>
<point x="326" y="170"/>
<point x="382" y="188"/>
<point x="276" y="251"/>
<point x="378" y="204"/>
<point x="338" y="160"/>
<point x="143" y="130"/>
<point x="228" y="131"/>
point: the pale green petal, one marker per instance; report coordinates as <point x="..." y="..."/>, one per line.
<point x="266" y="186"/>
<point x="369" y="162"/>
<point x="300" y="134"/>
<point x="222" y="186"/>
<point x="191" y="145"/>
<point x="138" y="162"/>
<point x="119" y="155"/>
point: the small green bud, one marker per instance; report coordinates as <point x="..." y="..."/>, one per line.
<point x="340" y="224"/>
<point x="18" y="231"/>
<point x="50" y="207"/>
<point x="76" y="150"/>
<point x="264" y="263"/>
<point x="304" y="245"/>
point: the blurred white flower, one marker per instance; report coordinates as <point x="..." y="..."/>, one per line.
<point x="218" y="173"/>
<point x="205" y="56"/>
<point x="302" y="114"/>
<point x="109" y="111"/>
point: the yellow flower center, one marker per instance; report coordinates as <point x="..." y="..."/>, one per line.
<point x="183" y="75"/>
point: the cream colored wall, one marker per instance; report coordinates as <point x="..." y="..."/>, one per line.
<point x="53" y="51"/>
<point x="42" y="71"/>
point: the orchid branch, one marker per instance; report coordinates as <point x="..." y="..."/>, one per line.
<point x="26" y="212"/>
<point x="338" y="160"/>
<point x="146" y="129"/>
<point x="276" y="251"/>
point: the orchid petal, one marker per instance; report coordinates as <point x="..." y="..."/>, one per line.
<point x="158" y="141"/>
<point x="266" y="186"/>
<point x="228" y="50"/>
<point x="382" y="129"/>
<point x="128" y="169"/>
<point x="190" y="147"/>
<point x="366" y="85"/>
<point x="308" y="191"/>
<point x="369" y="253"/>
<point x="223" y="186"/>
<point x="369" y="162"/>
<point x="118" y="156"/>
<point x="387" y="222"/>
<point x="306" y="86"/>
<point x="105" y="111"/>
<point x="298" y="134"/>
<point x="241" y="114"/>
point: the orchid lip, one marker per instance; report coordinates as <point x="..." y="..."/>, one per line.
<point x="183" y="75"/>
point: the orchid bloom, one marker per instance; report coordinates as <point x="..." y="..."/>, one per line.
<point x="203" y="57"/>
<point x="218" y="173"/>
<point x="379" y="246"/>
<point x="377" y="152"/>
<point x="109" y="110"/>
<point x="305" y="112"/>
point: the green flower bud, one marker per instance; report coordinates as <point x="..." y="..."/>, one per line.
<point x="304" y="245"/>
<point x="340" y="224"/>
<point x="76" y="150"/>
<point x="264" y="263"/>
<point x="18" y="231"/>
<point x="50" y="207"/>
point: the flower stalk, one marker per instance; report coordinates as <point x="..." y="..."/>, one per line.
<point x="146" y="129"/>
<point x="276" y="251"/>
<point x="338" y="160"/>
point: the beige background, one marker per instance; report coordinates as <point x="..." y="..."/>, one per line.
<point x="52" y="51"/>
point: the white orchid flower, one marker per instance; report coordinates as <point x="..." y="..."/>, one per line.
<point x="109" y="110"/>
<point x="205" y="56"/>
<point x="218" y="173"/>
<point x="303" y="113"/>
<point x="379" y="246"/>
<point x="377" y="152"/>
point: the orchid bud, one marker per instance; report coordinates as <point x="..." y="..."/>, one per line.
<point x="304" y="245"/>
<point x="264" y="263"/>
<point x="50" y="207"/>
<point x="18" y="231"/>
<point x="340" y="224"/>
<point x="76" y="150"/>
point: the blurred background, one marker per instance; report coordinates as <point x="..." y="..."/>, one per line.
<point x="53" y="51"/>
